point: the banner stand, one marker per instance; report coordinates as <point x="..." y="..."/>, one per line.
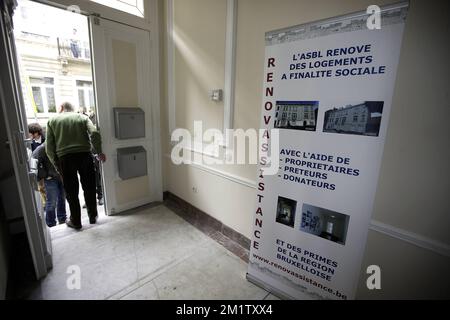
<point x="327" y="98"/>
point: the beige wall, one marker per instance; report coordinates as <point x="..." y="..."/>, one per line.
<point x="414" y="185"/>
<point x="414" y="180"/>
<point x="125" y="73"/>
<point x="407" y="272"/>
<point x="199" y="33"/>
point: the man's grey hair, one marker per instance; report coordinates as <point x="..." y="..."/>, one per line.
<point x="67" y="106"/>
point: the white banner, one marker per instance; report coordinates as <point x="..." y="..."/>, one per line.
<point x="328" y="89"/>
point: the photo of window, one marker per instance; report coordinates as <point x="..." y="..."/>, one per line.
<point x="286" y="211"/>
<point x="327" y="224"/>
<point x="359" y="119"/>
<point x="297" y="115"/>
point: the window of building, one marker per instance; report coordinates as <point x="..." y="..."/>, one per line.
<point x="135" y="7"/>
<point x="43" y="89"/>
<point x="85" y="94"/>
<point x="355" y="118"/>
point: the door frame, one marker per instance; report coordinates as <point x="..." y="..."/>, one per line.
<point x="105" y="88"/>
<point x="10" y="91"/>
<point x="12" y="104"/>
<point x="150" y="23"/>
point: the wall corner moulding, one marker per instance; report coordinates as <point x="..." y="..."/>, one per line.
<point x="412" y="238"/>
<point x="171" y="67"/>
<point x="415" y="239"/>
<point x="230" y="65"/>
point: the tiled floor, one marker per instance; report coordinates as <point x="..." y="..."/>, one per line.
<point x="150" y="254"/>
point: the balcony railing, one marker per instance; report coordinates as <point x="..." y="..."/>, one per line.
<point x="74" y="49"/>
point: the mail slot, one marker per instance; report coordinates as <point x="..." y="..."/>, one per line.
<point x="132" y="162"/>
<point x="129" y="123"/>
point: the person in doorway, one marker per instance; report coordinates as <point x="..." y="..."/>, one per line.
<point x="37" y="138"/>
<point x="98" y="176"/>
<point x="98" y="172"/>
<point x="83" y="111"/>
<point x="93" y="116"/>
<point x="54" y="191"/>
<point x="70" y="139"/>
<point x="98" y="182"/>
<point x="36" y="134"/>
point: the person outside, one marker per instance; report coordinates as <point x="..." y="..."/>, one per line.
<point x="75" y="44"/>
<point x="54" y="190"/>
<point x="98" y="173"/>
<point x="36" y="135"/>
<point x="70" y="139"/>
<point x="98" y="176"/>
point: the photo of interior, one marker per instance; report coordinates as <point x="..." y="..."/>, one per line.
<point x="286" y="211"/>
<point x="324" y="223"/>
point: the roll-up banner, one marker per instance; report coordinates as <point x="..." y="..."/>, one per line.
<point x="328" y="88"/>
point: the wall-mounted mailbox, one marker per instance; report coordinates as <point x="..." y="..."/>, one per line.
<point x="132" y="162"/>
<point x="129" y="123"/>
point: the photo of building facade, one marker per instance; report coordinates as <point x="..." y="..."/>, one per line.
<point x="361" y="119"/>
<point x="297" y="115"/>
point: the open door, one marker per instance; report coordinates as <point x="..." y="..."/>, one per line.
<point x="122" y="65"/>
<point x="15" y="121"/>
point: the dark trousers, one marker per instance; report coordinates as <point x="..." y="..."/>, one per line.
<point x="83" y="164"/>
<point x="98" y="179"/>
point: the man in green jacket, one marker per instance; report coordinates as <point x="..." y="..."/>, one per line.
<point x="71" y="140"/>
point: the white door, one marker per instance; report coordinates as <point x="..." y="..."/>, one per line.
<point x="125" y="75"/>
<point x="16" y="126"/>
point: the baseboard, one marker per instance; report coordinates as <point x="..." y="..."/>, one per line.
<point x="209" y="225"/>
